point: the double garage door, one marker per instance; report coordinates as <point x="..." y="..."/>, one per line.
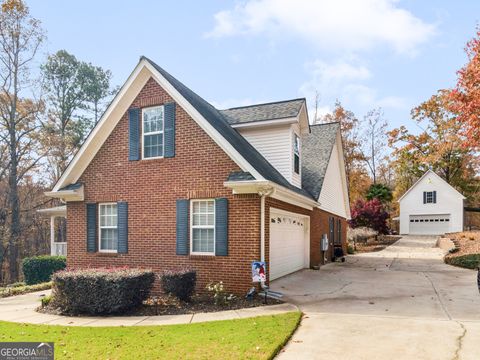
<point x="289" y="243"/>
<point x="429" y="224"/>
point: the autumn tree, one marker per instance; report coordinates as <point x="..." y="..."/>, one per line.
<point x="371" y="214"/>
<point x="374" y="142"/>
<point x="438" y="147"/>
<point x="357" y="176"/>
<point x="20" y="39"/>
<point x="465" y="97"/>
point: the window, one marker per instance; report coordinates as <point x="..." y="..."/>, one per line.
<point x="203" y="227"/>
<point x="152" y="132"/>
<point x="296" y="154"/>
<point x="108" y="227"/>
<point x="430" y="197"/>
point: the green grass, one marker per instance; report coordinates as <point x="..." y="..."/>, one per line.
<point x="470" y="261"/>
<point x="252" y="338"/>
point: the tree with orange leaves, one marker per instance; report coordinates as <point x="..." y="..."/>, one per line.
<point x="465" y="97"/>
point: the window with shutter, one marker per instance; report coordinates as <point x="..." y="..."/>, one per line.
<point x="152" y="132"/>
<point x="107" y="227"/>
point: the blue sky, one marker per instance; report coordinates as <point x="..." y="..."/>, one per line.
<point x="393" y="54"/>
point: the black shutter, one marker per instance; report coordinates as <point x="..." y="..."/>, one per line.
<point x="434" y="197"/>
<point x="221" y="227"/>
<point x="169" y="131"/>
<point x="122" y="220"/>
<point x="183" y="245"/>
<point x="424" y="197"/>
<point x="134" y="134"/>
<point x="91" y="227"/>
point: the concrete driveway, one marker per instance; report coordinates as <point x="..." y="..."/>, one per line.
<point x="400" y="303"/>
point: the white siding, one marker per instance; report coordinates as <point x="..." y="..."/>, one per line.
<point x="449" y="202"/>
<point x="275" y="144"/>
<point x="332" y="196"/>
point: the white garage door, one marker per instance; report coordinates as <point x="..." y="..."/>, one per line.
<point x="289" y="243"/>
<point x="429" y="224"/>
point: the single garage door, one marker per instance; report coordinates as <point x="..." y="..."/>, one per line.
<point x="289" y="243"/>
<point x="429" y="224"/>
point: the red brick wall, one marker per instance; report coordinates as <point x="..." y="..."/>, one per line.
<point x="151" y="188"/>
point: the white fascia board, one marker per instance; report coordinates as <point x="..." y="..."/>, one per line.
<point x="67" y="195"/>
<point x="341" y="157"/>
<point x="279" y="192"/>
<point x="262" y="123"/>
<point x="203" y="123"/>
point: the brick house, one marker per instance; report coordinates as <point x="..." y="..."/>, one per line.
<point x="166" y="180"/>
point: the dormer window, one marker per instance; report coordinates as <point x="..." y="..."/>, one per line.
<point x="296" y="154"/>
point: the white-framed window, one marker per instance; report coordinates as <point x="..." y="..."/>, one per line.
<point x="153" y="134"/>
<point x="296" y="154"/>
<point x="202" y="227"/>
<point x="107" y="227"/>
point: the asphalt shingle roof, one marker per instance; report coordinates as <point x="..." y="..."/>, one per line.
<point x="316" y="150"/>
<point x="262" y="112"/>
<point x="220" y="123"/>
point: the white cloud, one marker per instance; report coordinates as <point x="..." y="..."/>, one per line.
<point x="350" y="25"/>
<point x="346" y="81"/>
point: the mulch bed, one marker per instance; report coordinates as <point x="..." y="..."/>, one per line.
<point x="373" y="245"/>
<point x="171" y="306"/>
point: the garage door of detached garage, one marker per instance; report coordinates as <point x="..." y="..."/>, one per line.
<point x="289" y="243"/>
<point x="429" y="224"/>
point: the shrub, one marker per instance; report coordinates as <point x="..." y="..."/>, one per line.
<point x="101" y="291"/>
<point x="370" y="214"/>
<point x="46" y="300"/>
<point x="350" y="249"/>
<point x="18" y="290"/>
<point x="381" y="192"/>
<point x="39" y="269"/>
<point x="179" y="283"/>
<point x="220" y="295"/>
<point x="360" y="234"/>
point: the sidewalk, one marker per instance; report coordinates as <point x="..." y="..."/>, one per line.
<point x="21" y="309"/>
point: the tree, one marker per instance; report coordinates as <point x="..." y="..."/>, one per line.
<point x="72" y="88"/>
<point x="20" y="39"/>
<point x="375" y="141"/>
<point x="380" y="192"/>
<point x="438" y="147"/>
<point x="357" y="177"/>
<point x="370" y="214"/>
<point x="466" y="94"/>
<point x="97" y="88"/>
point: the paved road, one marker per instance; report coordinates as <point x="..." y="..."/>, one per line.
<point x="400" y="303"/>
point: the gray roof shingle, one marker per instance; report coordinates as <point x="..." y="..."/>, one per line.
<point x="262" y="112"/>
<point x="316" y="150"/>
<point x="220" y="123"/>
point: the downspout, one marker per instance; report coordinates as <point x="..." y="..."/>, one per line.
<point x="263" y="194"/>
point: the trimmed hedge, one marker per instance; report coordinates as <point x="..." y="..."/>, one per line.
<point x="469" y="261"/>
<point x="11" y="290"/>
<point x="179" y="283"/>
<point x="101" y="291"/>
<point x="39" y="269"/>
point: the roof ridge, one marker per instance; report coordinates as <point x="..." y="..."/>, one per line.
<point x="263" y="104"/>
<point x="327" y="123"/>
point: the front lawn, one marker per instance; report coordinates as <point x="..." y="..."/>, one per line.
<point x="252" y="338"/>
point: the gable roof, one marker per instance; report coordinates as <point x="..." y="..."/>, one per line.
<point x="316" y="150"/>
<point x="262" y="112"/>
<point x="217" y="127"/>
<point x="431" y="172"/>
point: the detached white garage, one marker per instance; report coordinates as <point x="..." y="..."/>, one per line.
<point x="289" y="243"/>
<point x="431" y="207"/>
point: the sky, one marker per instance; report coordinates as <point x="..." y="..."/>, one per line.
<point x="366" y="53"/>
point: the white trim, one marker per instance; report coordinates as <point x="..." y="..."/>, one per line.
<point x="295" y="135"/>
<point x="68" y="195"/>
<point x="421" y="178"/>
<point x="143" y="71"/>
<point x="153" y="132"/>
<point x="202" y="227"/>
<point x="261" y="123"/>
<point x="57" y="211"/>
<point x="339" y="145"/>
<point x="100" y="227"/>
